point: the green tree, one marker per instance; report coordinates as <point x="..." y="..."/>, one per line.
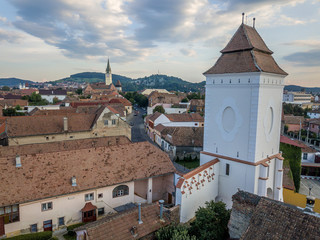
<point x="159" y="109"/>
<point x="176" y="232"/>
<point x="11" y="112"/>
<point x="185" y="100"/>
<point x="79" y="91"/>
<point x="18" y="107"/>
<point x="211" y="221"/>
<point x="55" y="100"/>
<point x="5" y="88"/>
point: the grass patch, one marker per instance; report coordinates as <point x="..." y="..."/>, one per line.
<point x="68" y="237"/>
<point x="190" y="164"/>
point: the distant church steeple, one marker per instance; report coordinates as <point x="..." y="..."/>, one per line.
<point x="108" y="74"/>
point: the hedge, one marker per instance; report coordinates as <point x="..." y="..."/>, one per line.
<point x="71" y="228"/>
<point x="292" y="154"/>
<point x="33" y="236"/>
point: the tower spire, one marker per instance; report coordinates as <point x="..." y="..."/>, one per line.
<point x="108" y="75"/>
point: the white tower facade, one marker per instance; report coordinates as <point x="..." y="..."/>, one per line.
<point x="243" y="117"/>
<point x="108" y="75"/>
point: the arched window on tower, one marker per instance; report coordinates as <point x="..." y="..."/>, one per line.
<point x="120" y="191"/>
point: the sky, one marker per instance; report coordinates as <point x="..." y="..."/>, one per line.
<point x="52" y="39"/>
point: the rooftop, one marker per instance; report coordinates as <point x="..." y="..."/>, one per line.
<point x="49" y="174"/>
<point x="246" y="52"/>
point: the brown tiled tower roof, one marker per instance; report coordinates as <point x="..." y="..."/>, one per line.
<point x="246" y="52"/>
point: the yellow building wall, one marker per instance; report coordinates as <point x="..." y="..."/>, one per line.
<point x="316" y="207"/>
<point x="293" y="198"/>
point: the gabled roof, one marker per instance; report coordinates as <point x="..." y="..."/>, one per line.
<point x="44" y="175"/>
<point x="119" y="225"/>
<point x="290" y="119"/>
<point x="118" y="84"/>
<point x="246" y="52"/>
<point x="185" y="117"/>
<point x="123" y="101"/>
<point x="154" y="116"/>
<point x="183" y="136"/>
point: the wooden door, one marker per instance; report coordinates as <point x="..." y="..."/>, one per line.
<point x="2" y="226"/>
<point x="89" y="216"/>
<point x="47" y="225"/>
<point x="169" y="198"/>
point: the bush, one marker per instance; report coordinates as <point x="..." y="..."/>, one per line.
<point x="176" y="232"/>
<point x="71" y="228"/>
<point x="33" y="236"/>
<point x="292" y="154"/>
<point x="211" y="221"/>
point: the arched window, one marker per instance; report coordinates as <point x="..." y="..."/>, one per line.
<point x="120" y="191"/>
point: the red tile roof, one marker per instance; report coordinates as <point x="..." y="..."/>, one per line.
<point x="185" y="117"/>
<point x="246" y="52"/>
<point x="286" y="140"/>
<point x="182" y="136"/>
<point x="124" y="101"/>
<point x="119" y="225"/>
<point x="49" y="174"/>
<point x="88" y="207"/>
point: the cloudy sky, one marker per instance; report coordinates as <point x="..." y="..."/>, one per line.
<point x="45" y="40"/>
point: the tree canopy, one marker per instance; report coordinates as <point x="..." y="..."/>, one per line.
<point x="159" y="109"/>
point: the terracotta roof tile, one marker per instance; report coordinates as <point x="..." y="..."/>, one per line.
<point x="275" y="220"/>
<point x="154" y="116"/>
<point x="47" y="124"/>
<point x="183" y="136"/>
<point x="185" y="117"/>
<point x="290" y="119"/>
<point x="246" y="52"/>
<point x="118" y="226"/>
<point x="49" y="174"/>
<point x="124" y="101"/>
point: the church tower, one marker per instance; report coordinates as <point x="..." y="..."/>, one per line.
<point x="243" y="117"/>
<point x="108" y="75"/>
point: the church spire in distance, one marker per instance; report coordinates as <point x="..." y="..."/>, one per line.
<point x="108" y="75"/>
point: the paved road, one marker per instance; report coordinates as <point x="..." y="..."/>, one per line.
<point x="305" y="184"/>
<point x="138" y="134"/>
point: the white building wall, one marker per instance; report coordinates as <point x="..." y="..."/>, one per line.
<point x="67" y="206"/>
<point x="192" y="199"/>
<point x="50" y="98"/>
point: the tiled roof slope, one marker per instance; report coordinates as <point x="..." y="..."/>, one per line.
<point x="27" y="149"/>
<point x="275" y="220"/>
<point x="246" y="52"/>
<point x="184" y="117"/>
<point x="46" y="124"/>
<point x="118" y="226"/>
<point x="183" y="136"/>
<point x="154" y="116"/>
<point x="246" y="38"/>
<point x="49" y="174"/>
<point x="290" y="119"/>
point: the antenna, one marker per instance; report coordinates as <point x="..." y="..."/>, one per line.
<point x="242" y="17"/>
<point x="254" y="21"/>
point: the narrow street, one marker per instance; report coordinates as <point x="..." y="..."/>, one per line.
<point x="138" y="134"/>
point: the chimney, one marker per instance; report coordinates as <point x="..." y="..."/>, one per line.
<point x="254" y="21"/>
<point x="74" y="181"/>
<point x="140" y="221"/>
<point x="18" y="161"/>
<point x="161" y="208"/>
<point x="65" y="124"/>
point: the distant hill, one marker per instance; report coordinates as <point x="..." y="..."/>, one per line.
<point x="129" y="84"/>
<point x="13" y="82"/>
<point x="296" y="88"/>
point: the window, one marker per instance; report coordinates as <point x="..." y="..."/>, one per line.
<point x="10" y="213"/>
<point x="120" y="191"/>
<point x="105" y="122"/>
<point x="227" y="169"/>
<point x="113" y="122"/>
<point x="100" y="195"/>
<point x="305" y="156"/>
<point x="34" y="228"/>
<point x="88" y="197"/>
<point x="100" y="211"/>
<point x="61" y="221"/>
<point x="46" y="206"/>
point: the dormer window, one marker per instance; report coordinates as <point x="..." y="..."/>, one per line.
<point x="74" y="181"/>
